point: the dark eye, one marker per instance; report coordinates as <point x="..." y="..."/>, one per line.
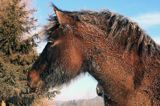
<point x="49" y="40"/>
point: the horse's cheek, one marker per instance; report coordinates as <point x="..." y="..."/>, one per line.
<point x="76" y="59"/>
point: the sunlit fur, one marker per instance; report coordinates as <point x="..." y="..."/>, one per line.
<point x="113" y="49"/>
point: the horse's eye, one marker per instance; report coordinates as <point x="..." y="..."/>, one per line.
<point x="50" y="41"/>
<point x="53" y="44"/>
<point x="52" y="38"/>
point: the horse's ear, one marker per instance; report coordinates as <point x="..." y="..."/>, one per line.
<point x="63" y="17"/>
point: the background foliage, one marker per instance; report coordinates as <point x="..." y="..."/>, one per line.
<point x="16" y="53"/>
<point x="15" y="20"/>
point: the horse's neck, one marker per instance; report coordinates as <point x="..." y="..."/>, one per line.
<point x="130" y="58"/>
<point x="152" y="62"/>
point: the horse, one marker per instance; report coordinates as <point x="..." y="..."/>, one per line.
<point x="112" y="48"/>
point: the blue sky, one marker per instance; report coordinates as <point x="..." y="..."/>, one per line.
<point x="145" y="12"/>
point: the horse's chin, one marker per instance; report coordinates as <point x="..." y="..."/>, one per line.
<point x="35" y="87"/>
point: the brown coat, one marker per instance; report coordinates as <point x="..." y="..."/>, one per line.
<point x="113" y="49"/>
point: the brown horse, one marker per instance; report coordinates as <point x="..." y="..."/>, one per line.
<point x="113" y="49"/>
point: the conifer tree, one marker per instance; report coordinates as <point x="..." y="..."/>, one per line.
<point x="16" y="54"/>
<point x="14" y="22"/>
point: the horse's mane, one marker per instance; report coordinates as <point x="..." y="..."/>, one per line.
<point x="116" y="26"/>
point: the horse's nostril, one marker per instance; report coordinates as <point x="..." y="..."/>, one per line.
<point x="33" y="89"/>
<point x="28" y="83"/>
<point x="29" y="79"/>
